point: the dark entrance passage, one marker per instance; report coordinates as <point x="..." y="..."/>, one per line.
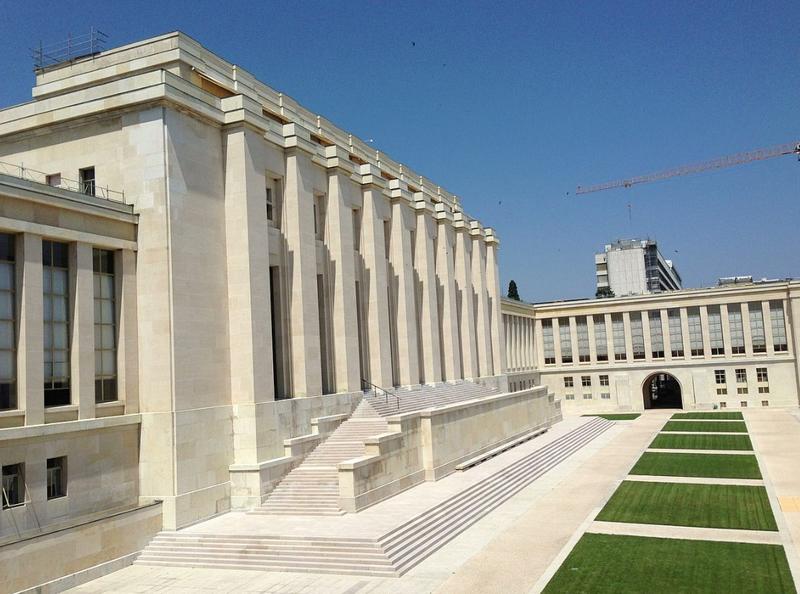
<point x="662" y="390"/>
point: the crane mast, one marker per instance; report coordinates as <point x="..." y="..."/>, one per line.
<point x="792" y="148"/>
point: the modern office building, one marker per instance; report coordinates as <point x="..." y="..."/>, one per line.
<point x="634" y="267"/>
<point x="722" y="347"/>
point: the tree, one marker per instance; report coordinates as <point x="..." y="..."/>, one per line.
<point x="512" y="291"/>
<point x="604" y="293"/>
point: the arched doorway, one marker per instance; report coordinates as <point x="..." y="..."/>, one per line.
<point x="662" y="390"/>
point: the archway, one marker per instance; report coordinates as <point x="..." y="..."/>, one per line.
<point x="662" y="390"/>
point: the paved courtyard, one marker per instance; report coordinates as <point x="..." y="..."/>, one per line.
<point x="517" y="546"/>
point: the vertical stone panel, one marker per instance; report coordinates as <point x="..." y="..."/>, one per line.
<point x="30" y="358"/>
<point x="445" y="273"/>
<point x="82" y="329"/>
<point x="425" y="265"/>
<point x="483" y="330"/>
<point x="466" y="320"/>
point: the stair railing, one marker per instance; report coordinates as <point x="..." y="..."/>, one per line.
<point x="369" y="387"/>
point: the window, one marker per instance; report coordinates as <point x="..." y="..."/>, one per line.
<point x="586" y="381"/>
<point x="270" y="204"/>
<point x="741" y="376"/>
<point x="741" y="390"/>
<point x="715" y="331"/>
<point x="319" y="216"/>
<point x="719" y="376"/>
<point x="600" y="338"/>
<point x="603" y="380"/>
<point x="763" y="389"/>
<point x="695" y="332"/>
<point x="547" y="342"/>
<point x="357" y="229"/>
<point x="105" y="330"/>
<point x="582" y="330"/>
<point x="656" y="335"/>
<point x="13" y="485"/>
<point x="757" y="327"/>
<point x="566" y="340"/>
<point x="618" y="333"/>
<point x="273" y="201"/>
<point x="8" y="340"/>
<point x="737" y="329"/>
<point x="675" y="332"/>
<point x="587" y="396"/>
<point x="761" y="374"/>
<point x="637" y="335"/>
<point x="568" y="382"/>
<point x="722" y="391"/>
<point x="605" y="396"/>
<point x="743" y="404"/>
<point x="778" y="325"/>
<point x="765" y="403"/>
<point x="86" y="177"/>
<point x="54" y="179"/>
<point x="56" y="477"/>
<point x="569" y="396"/>
<point x="55" y="279"/>
<point x="723" y="405"/>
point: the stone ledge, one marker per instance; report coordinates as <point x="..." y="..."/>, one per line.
<point x="50" y="429"/>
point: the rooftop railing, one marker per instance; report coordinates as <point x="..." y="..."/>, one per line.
<point x="86" y="187"/>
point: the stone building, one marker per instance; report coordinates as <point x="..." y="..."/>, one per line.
<point x="722" y="347"/>
<point x="634" y="267"/>
<point x="217" y="267"/>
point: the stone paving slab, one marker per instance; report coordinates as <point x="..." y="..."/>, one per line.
<point x="695" y="480"/>
<point x="685" y="532"/>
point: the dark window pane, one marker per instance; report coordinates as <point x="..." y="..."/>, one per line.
<point x="6" y="247"/>
<point x="8" y="396"/>
<point x="58" y="395"/>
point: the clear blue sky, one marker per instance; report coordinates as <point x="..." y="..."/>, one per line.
<point x="510" y="105"/>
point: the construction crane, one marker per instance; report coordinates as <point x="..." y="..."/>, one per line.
<point x="792" y="148"/>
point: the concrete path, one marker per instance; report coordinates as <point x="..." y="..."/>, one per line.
<point x="685" y="532"/>
<point x="693" y="480"/>
<point x="681" y="451"/>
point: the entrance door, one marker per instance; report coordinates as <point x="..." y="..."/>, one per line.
<point x="662" y="390"/>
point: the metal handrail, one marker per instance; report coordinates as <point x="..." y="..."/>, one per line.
<point x="84" y="188"/>
<point x="386" y="393"/>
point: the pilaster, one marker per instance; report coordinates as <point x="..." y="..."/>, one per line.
<point x="483" y="330"/>
<point x="127" y="330"/>
<point x="82" y="368"/>
<point x="425" y="264"/>
<point x="30" y="357"/>
<point x="445" y="272"/>
<point x="466" y="311"/>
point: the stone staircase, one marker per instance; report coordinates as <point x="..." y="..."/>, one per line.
<point x="419" y="398"/>
<point x="391" y="554"/>
<point x="312" y="489"/>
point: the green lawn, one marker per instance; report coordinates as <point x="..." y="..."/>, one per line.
<point x="617" y="416"/>
<point x="706" y="426"/>
<point x="705" y="465"/>
<point x="681" y="504"/>
<point x="611" y="564"/>
<point x="724" y="416"/>
<point x="702" y="442"/>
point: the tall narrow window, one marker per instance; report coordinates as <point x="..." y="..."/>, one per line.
<point x="357" y="229"/>
<point x="56" y="477"/>
<point x="600" y="338"/>
<point x="715" y="330"/>
<point x="618" y="334"/>
<point x="637" y="335"/>
<point x="86" y="176"/>
<point x="582" y="331"/>
<point x="105" y="328"/>
<point x="270" y="202"/>
<point x="548" y="344"/>
<point x="55" y="280"/>
<point x="8" y="365"/>
<point x="675" y="332"/>
<point x="757" y="327"/>
<point x="566" y="340"/>
<point x="737" y="328"/>
<point x="778" y="325"/>
<point x="319" y="216"/>
<point x="695" y="332"/>
<point x="656" y="335"/>
<point x="13" y="479"/>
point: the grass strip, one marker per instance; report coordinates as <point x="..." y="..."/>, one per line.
<point x="706" y="426"/>
<point x="617" y="416"/>
<point x="615" y="564"/>
<point x="680" y="504"/>
<point x="735" y="466"/>
<point x="702" y="442"/>
<point x="719" y="416"/>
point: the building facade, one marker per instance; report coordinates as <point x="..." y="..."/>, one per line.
<point x="226" y="266"/>
<point x="634" y="267"/>
<point x="722" y="347"/>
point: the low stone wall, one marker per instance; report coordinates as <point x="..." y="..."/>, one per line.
<point x="40" y="559"/>
<point x="429" y="444"/>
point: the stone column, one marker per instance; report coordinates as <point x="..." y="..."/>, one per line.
<point x="687" y="345"/>
<point x="726" y="329"/>
<point x="301" y="246"/>
<point x="592" y="338"/>
<point x="626" y="326"/>
<point x="466" y="309"/>
<point x="573" y="335"/>
<point x="648" y="341"/>
<point x="768" y="338"/>
<point x="127" y="330"/>
<point x="445" y="273"/>
<point x="746" y="330"/>
<point x="493" y="287"/>
<point x="483" y="329"/>
<point x="428" y="301"/>
<point x="341" y="199"/>
<point x="30" y="357"/>
<point x="373" y="247"/>
<point x="705" y="331"/>
<point x="82" y="369"/>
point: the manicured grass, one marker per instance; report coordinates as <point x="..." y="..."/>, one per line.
<point x="706" y="426"/>
<point x="681" y="504"/>
<point x="719" y="416"/>
<point x="702" y="442"/>
<point x="705" y="465"/>
<point x="617" y="416"/>
<point x="613" y="564"/>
